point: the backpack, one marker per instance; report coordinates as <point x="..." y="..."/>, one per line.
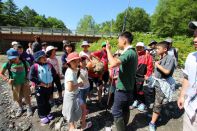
<point x="97" y="65"/>
<point x="36" y="67"/>
<point x="9" y="64"/>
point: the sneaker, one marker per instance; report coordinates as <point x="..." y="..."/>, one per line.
<point x="152" y="127"/>
<point x="19" y="112"/>
<point x="29" y="111"/>
<point x="50" y="117"/>
<point x="141" y="107"/>
<point x="134" y="105"/>
<point x="44" y="120"/>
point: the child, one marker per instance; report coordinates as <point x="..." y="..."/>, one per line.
<point x="42" y="74"/>
<point x="71" y="107"/>
<point x="67" y="48"/>
<point x="23" y="55"/>
<point x="163" y="81"/>
<point x="84" y="91"/>
<point x="29" y="50"/>
<point x="85" y="52"/>
<point x="51" y="54"/>
<point x="113" y="73"/>
<point x="17" y="70"/>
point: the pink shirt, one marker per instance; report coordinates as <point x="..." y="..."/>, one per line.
<point x="55" y="64"/>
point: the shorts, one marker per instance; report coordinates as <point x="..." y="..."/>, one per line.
<point x="98" y="82"/>
<point x="83" y="94"/>
<point x="20" y="91"/>
<point x="159" y="100"/>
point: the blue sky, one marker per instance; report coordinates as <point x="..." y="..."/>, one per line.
<point x="71" y="11"/>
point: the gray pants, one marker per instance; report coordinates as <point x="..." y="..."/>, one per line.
<point x="189" y="125"/>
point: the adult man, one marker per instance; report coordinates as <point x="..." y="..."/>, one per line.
<point x="97" y="78"/>
<point x="126" y="79"/>
<point x="188" y="95"/>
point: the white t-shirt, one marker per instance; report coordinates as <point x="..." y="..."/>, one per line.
<point x="55" y="64"/>
<point x="84" y="78"/>
<point x="70" y="75"/>
<point x="191" y="70"/>
<point x="82" y="53"/>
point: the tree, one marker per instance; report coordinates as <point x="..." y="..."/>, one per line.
<point x="40" y="21"/>
<point x="87" y="25"/>
<point x="1" y="15"/>
<point x="137" y="20"/>
<point x="171" y="17"/>
<point x="28" y="16"/>
<point x="9" y="12"/>
<point x="107" y="27"/>
<point x="55" y="23"/>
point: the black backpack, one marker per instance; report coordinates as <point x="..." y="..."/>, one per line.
<point x="9" y="64"/>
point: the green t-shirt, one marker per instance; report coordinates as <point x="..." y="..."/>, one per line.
<point x="127" y="71"/>
<point x="18" y="72"/>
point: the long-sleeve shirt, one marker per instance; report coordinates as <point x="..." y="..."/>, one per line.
<point x="145" y="58"/>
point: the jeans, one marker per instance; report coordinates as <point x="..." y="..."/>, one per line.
<point x="83" y="94"/>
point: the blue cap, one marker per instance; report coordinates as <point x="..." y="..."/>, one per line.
<point x="38" y="54"/>
<point x="12" y="53"/>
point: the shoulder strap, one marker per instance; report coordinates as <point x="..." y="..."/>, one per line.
<point x="36" y="68"/>
<point x="78" y="73"/>
<point x="8" y="66"/>
<point x="25" y="66"/>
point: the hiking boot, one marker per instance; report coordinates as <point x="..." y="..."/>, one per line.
<point x="134" y="105"/>
<point x="152" y="127"/>
<point x="29" y="111"/>
<point x="19" y="112"/>
<point x="141" y="107"/>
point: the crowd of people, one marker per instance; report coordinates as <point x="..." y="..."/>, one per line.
<point x="126" y="71"/>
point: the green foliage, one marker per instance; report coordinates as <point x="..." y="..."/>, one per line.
<point x="184" y="44"/>
<point x="10" y="15"/>
<point x="136" y="20"/>
<point x="171" y="17"/>
<point x="87" y="24"/>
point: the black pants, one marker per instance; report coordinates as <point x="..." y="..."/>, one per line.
<point x="121" y="105"/>
<point x="57" y="83"/>
<point x="42" y="98"/>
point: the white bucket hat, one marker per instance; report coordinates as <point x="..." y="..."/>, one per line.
<point x="50" y="48"/>
<point x="85" y="43"/>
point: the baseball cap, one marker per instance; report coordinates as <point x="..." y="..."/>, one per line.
<point x="103" y="44"/>
<point x="50" y="48"/>
<point x="12" y="53"/>
<point x="152" y="42"/>
<point x="169" y="40"/>
<point x="193" y="25"/>
<point x="140" y="44"/>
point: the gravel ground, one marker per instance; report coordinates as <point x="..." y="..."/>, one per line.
<point x="171" y="118"/>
